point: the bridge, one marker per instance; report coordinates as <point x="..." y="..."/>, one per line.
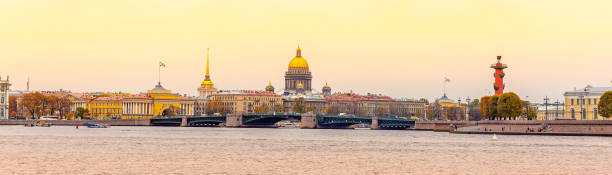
<point x="269" y="120"/>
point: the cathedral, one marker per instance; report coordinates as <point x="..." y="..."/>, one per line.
<point x="298" y="77"/>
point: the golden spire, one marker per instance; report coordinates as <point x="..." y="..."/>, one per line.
<point x="207" y="72"/>
<point x="269" y="84"/>
<point x="299" y="52"/>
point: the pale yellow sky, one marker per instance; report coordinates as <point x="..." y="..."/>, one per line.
<point x="398" y="48"/>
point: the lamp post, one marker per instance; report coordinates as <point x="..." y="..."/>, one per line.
<point x="582" y="111"/>
<point x="557" y="110"/>
<point x="467" y="112"/>
<point x="546" y="106"/>
<point x="458" y="114"/>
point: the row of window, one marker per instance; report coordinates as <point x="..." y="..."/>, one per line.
<point x="583" y="114"/>
<point x="588" y="101"/>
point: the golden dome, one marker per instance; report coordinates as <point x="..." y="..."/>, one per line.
<point x="300" y="85"/>
<point x="298" y="61"/>
<point x="326" y="86"/>
<point x="207" y="82"/>
<point x="269" y="84"/>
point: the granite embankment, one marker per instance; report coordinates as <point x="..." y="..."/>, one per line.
<point x="521" y="127"/>
<point x="126" y="122"/>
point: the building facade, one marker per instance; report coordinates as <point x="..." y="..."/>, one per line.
<point x="4" y="98"/>
<point x="550" y="111"/>
<point x="245" y="102"/>
<point x="581" y="104"/>
<point x="154" y="103"/>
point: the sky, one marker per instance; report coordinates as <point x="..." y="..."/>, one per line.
<point x="403" y="49"/>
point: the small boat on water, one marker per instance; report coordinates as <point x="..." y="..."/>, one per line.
<point x="494" y="137"/>
<point x="38" y="124"/>
<point x="97" y="126"/>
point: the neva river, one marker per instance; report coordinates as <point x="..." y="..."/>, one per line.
<point x="175" y="150"/>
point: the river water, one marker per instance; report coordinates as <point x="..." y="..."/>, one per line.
<point x="183" y="150"/>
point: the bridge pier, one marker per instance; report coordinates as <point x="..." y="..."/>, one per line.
<point x="374" y="122"/>
<point x="184" y="121"/>
<point x="309" y="121"/>
<point x="233" y="120"/>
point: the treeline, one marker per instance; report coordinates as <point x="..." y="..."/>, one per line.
<point x="37" y="104"/>
<point x="506" y="106"/>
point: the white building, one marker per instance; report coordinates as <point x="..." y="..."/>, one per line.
<point x="4" y="98"/>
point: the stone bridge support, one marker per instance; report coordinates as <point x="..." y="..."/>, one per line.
<point x="309" y="121"/>
<point x="374" y="122"/>
<point x="184" y="121"/>
<point x="233" y="120"/>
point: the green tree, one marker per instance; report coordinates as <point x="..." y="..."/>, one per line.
<point x="492" y="107"/>
<point x="299" y="105"/>
<point x="531" y="112"/>
<point x="476" y="102"/>
<point x="424" y="100"/>
<point x="509" y="105"/>
<point x="81" y="112"/>
<point x="604" y="106"/>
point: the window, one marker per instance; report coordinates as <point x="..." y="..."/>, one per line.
<point x="595" y="113"/>
<point x="589" y="101"/>
<point x="573" y="112"/>
<point x="595" y="101"/>
<point x="572" y="101"/>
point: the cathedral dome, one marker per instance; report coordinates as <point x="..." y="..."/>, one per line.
<point x="298" y="61"/>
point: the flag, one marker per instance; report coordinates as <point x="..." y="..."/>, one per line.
<point x="446" y="79"/>
<point x="162" y="64"/>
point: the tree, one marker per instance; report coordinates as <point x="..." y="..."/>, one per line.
<point x="279" y="107"/>
<point x="476" y="102"/>
<point x="509" y="106"/>
<point x="299" y="105"/>
<point x="484" y="106"/>
<point x="605" y="105"/>
<point x="34" y="103"/>
<point x="382" y="109"/>
<point x="531" y="112"/>
<point x="13" y="106"/>
<point x="424" y="100"/>
<point x="331" y="109"/>
<point x="311" y="109"/>
<point x="492" y="107"/>
<point x="81" y="112"/>
<point x="69" y="116"/>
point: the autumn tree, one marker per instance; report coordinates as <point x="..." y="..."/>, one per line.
<point x="484" y="105"/>
<point x="13" y="106"/>
<point x="604" y="106"/>
<point x="509" y="106"/>
<point x="299" y="107"/>
<point x="382" y="109"/>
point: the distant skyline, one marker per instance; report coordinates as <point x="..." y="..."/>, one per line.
<point x="402" y="49"/>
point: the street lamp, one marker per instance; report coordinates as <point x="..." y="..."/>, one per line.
<point x="467" y="112"/>
<point x="459" y="109"/>
<point x="546" y="106"/>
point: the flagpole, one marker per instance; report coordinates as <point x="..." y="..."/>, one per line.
<point x="159" y="73"/>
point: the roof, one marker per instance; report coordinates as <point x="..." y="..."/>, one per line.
<point x="590" y="91"/>
<point x="356" y="97"/>
<point x="245" y="92"/>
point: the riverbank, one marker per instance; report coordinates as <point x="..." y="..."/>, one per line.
<point x="521" y="127"/>
<point x="122" y="122"/>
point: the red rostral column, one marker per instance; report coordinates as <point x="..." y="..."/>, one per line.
<point x="499" y="76"/>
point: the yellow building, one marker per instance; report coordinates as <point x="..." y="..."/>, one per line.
<point x="156" y="102"/>
<point x="581" y="104"/>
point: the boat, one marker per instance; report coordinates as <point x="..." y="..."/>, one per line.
<point x="38" y="124"/>
<point x="494" y="137"/>
<point x="97" y="126"/>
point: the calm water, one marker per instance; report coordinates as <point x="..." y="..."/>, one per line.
<point x="174" y="150"/>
